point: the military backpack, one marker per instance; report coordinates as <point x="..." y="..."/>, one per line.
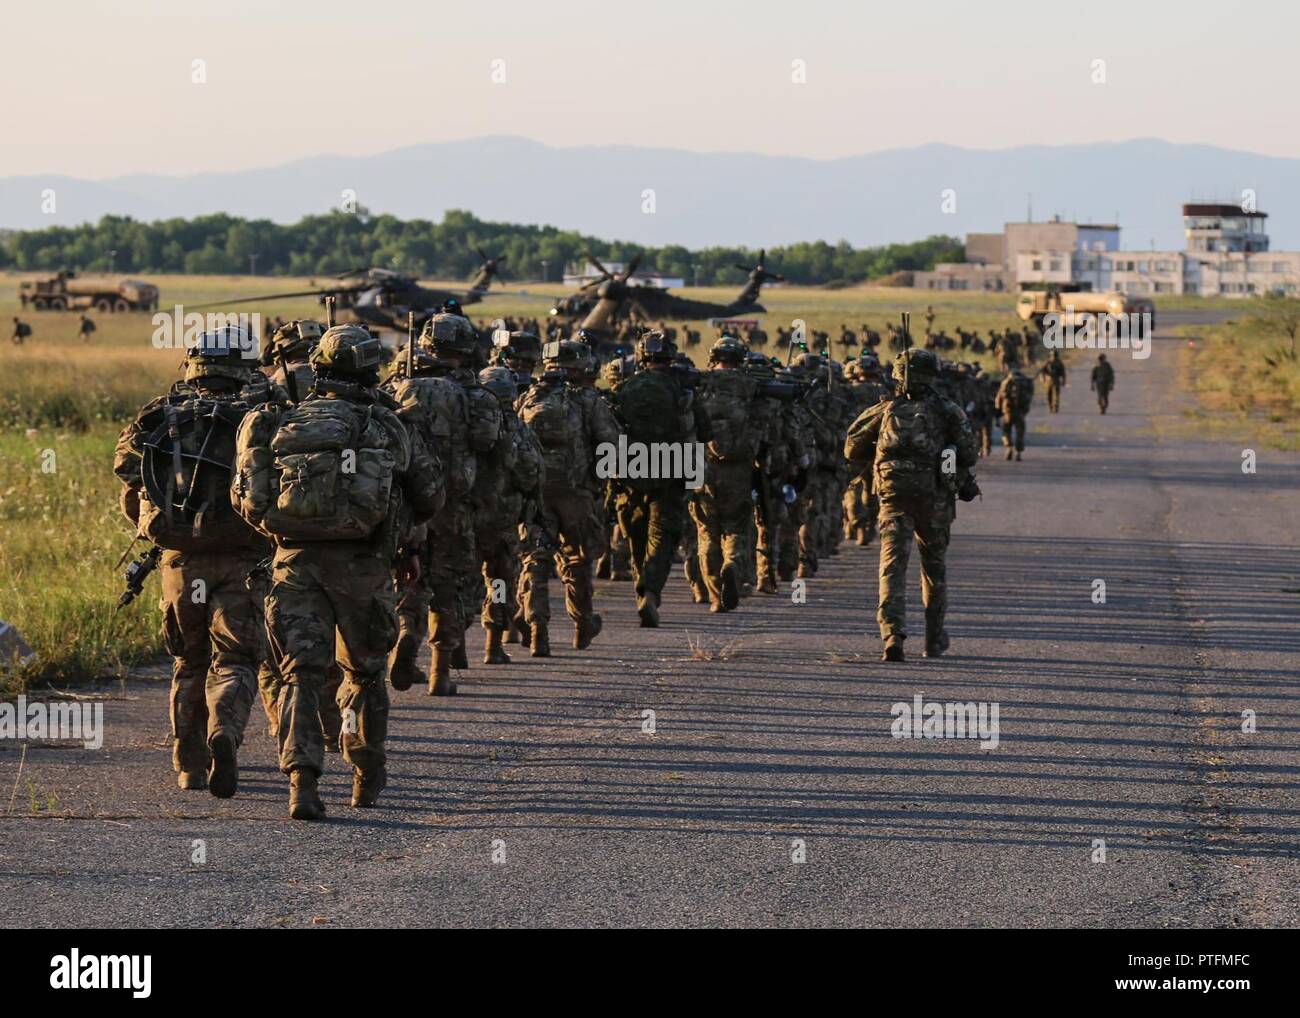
<point x="320" y="471"/>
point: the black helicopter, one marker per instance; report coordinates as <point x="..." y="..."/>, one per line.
<point x="382" y="298"/>
<point x="612" y="297"/>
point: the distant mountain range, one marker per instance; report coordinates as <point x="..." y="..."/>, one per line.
<point x="700" y="199"/>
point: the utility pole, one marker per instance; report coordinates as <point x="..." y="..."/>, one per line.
<point x="545" y="263"/>
<point x="111" y="256"/>
<point x="252" y="263"/>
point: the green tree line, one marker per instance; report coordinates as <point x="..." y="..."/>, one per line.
<point x="337" y="241"/>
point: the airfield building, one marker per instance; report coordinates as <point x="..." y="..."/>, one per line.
<point x="1226" y="253"/>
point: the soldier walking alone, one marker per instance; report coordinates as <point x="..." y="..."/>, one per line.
<point x="921" y="450"/>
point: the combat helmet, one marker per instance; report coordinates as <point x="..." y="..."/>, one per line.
<point x="227" y="352"/>
<point x="915" y="369"/>
<point x="293" y="340"/>
<point x="759" y="366"/>
<point x="347" y="352"/>
<point x="500" y="381"/>
<point x="446" y="333"/>
<point x="728" y="350"/>
<point x="655" y="348"/>
<point x="524" y="346"/>
<point x="564" y="357"/>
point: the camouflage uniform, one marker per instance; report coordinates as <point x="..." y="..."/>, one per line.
<point x="1013" y="404"/>
<point x="1054" y="372"/>
<point x="334" y="595"/>
<point x="1103" y="380"/>
<point x="780" y="456"/>
<point x="723" y="508"/>
<point x="904" y="438"/>
<point x="584" y="422"/>
<point x="461" y="423"/>
<point x="289" y="350"/>
<point x="513" y="475"/>
<point x="861" y="505"/>
<point x="652" y="511"/>
<point x="211" y="592"/>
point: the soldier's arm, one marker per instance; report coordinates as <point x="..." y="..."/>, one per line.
<point x="961" y="436"/>
<point x="602" y="425"/>
<point x="422" y="479"/>
<point x="860" y="442"/>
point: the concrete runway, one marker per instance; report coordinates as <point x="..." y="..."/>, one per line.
<point x="535" y="798"/>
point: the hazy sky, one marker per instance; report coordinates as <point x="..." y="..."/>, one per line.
<point x="98" y="89"/>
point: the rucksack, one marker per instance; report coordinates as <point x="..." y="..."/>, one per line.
<point x="651" y="408"/>
<point x="726" y="397"/>
<point x="909" y="446"/>
<point x="555" y="417"/>
<point x="440" y="407"/>
<point x="185" y="469"/>
<point x="321" y="471"/>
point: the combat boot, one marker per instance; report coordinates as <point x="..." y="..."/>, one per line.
<point x="1011" y="453"/>
<point x="648" y="608"/>
<point x="730" y="588"/>
<point x="864" y="538"/>
<point x="893" y="649"/>
<point x="459" y="658"/>
<point x="1019" y="457"/>
<point x="223" y="774"/>
<point x="403" y="672"/>
<point x="586" y="630"/>
<point x="768" y="585"/>
<point x="493" y="653"/>
<point x="621" y="576"/>
<point x="192" y="781"/>
<point x="366" y="787"/>
<point x="541" y="643"/>
<point x="304" y="800"/>
<point x="603" y="570"/>
<point x="525" y="631"/>
<point x="440" y="683"/>
<point x="934" y="647"/>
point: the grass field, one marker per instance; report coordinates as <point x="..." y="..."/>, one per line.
<point x="1239" y="392"/>
<point x="62" y="403"/>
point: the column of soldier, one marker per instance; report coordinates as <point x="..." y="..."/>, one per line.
<point x="318" y="525"/>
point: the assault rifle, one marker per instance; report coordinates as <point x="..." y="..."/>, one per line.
<point x="137" y="572"/>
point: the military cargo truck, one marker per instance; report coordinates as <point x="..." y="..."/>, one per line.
<point x="1078" y="306"/>
<point x="69" y="291"/>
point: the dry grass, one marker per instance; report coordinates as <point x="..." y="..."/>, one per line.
<point x="1246" y="384"/>
<point x="705" y="649"/>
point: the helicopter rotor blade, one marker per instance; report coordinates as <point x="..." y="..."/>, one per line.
<point x="262" y="297"/>
<point x="596" y="262"/>
<point x="632" y="266"/>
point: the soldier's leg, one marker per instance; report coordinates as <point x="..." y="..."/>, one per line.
<point x="704" y="567"/>
<point x="413" y="624"/>
<point x="367" y="628"/>
<point x="809" y="522"/>
<point x="579" y="543"/>
<point x="735" y="520"/>
<point x="237" y="629"/>
<point x="331" y="720"/>
<point x="633" y="518"/>
<point x="1020" y="434"/>
<point x="302" y="623"/>
<point x="788" y="540"/>
<point x="932" y="533"/>
<point x="620" y="554"/>
<point x="896" y="530"/>
<point x="666" y="524"/>
<point x="185" y="637"/>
